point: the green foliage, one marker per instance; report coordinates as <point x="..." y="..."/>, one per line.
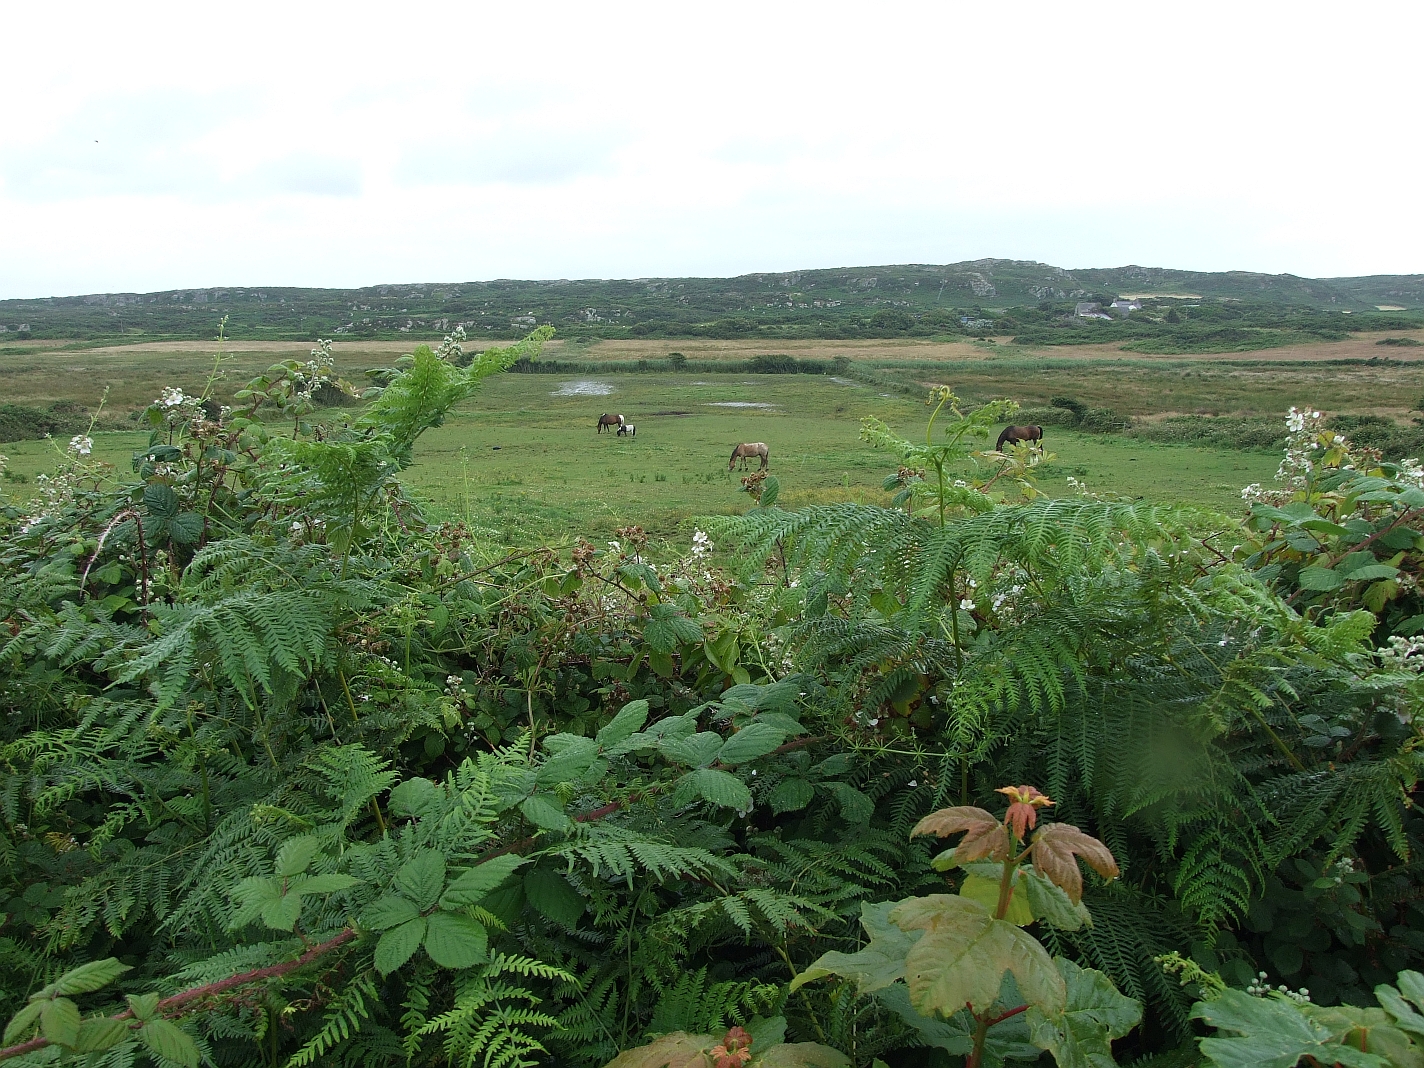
<point x="342" y="785"/>
<point x="1281" y="1030"/>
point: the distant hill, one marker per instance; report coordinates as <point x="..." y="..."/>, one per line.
<point x="838" y="302"/>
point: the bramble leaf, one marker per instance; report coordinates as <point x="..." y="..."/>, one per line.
<point x="855" y="806"/>
<point x="296" y="854"/>
<point x="322" y="884"/>
<point x="570" y="756"/>
<point x="143" y="1006"/>
<point x="629" y="721"/>
<point x="454" y="940"/>
<point x="413" y="797"/>
<point x="718" y="787"/>
<point x="422" y="878"/>
<point x="474" y="883"/>
<point x="398" y="944"/>
<point x="100" y="1033"/>
<point x="86" y="978"/>
<point x="168" y="1041"/>
<point x="59" y="1021"/>
<point x="752" y="741"/>
<point x="282" y="914"/>
<point x="21" y="1023"/>
<point x="544" y="811"/>
<point x="791" y="795"/>
<point x="387" y="912"/>
<point x="551" y="894"/>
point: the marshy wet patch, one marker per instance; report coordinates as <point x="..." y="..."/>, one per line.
<point x="584" y="387"/>
<point x="740" y="404"/>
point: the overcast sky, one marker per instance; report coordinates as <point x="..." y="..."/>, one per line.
<point x="146" y="146"/>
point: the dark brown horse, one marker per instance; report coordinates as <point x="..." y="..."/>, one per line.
<point x="609" y="420"/>
<point x="1017" y="434"/>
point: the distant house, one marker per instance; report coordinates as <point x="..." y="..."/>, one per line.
<point x="1090" y="309"/>
<point x="1126" y="306"/>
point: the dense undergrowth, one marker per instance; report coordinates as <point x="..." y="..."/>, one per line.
<point x="290" y="775"/>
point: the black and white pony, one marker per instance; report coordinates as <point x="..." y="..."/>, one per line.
<point x="628" y="428"/>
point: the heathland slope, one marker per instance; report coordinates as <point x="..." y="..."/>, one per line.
<point x="882" y="301"/>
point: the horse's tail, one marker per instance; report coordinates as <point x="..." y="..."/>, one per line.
<point x="999" y="445"/>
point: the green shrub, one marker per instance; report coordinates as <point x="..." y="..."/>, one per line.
<point x="1103" y="421"/>
<point x="1393" y="441"/>
<point x="1226" y="432"/>
<point x="1046" y="417"/>
<point x="20" y="422"/>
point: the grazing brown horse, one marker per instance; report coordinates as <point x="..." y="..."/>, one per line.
<point x="749" y="449"/>
<point x="1016" y="434"/>
<point x="609" y="420"/>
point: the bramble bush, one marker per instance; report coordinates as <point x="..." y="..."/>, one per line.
<point x="291" y="773"/>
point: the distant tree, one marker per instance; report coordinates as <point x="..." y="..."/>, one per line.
<point x="677" y="360"/>
<point x="891" y="319"/>
<point x="24" y="332"/>
<point x="1173" y="316"/>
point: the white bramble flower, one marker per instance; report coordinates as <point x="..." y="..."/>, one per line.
<point x="81" y="444"/>
<point x="966" y="605"/>
<point x="171" y="397"/>
<point x="701" y="543"/>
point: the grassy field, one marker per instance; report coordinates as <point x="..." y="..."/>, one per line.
<point x="524" y="460"/>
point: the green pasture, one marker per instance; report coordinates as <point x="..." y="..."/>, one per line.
<point x="523" y="458"/>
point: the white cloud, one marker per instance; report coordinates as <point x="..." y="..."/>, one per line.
<point x="162" y="145"/>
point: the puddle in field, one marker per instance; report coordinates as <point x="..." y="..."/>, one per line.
<point x="843" y="381"/>
<point x="584" y="387"/>
<point x="741" y="404"/>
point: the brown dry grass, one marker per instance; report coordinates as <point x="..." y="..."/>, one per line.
<point x="1101" y="375"/>
<point x="1360" y="347"/>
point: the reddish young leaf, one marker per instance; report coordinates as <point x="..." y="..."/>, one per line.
<point x="734" y="1051"/>
<point x="1023" y="812"/>
<point x="1054" y="851"/>
<point x="984" y="836"/>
